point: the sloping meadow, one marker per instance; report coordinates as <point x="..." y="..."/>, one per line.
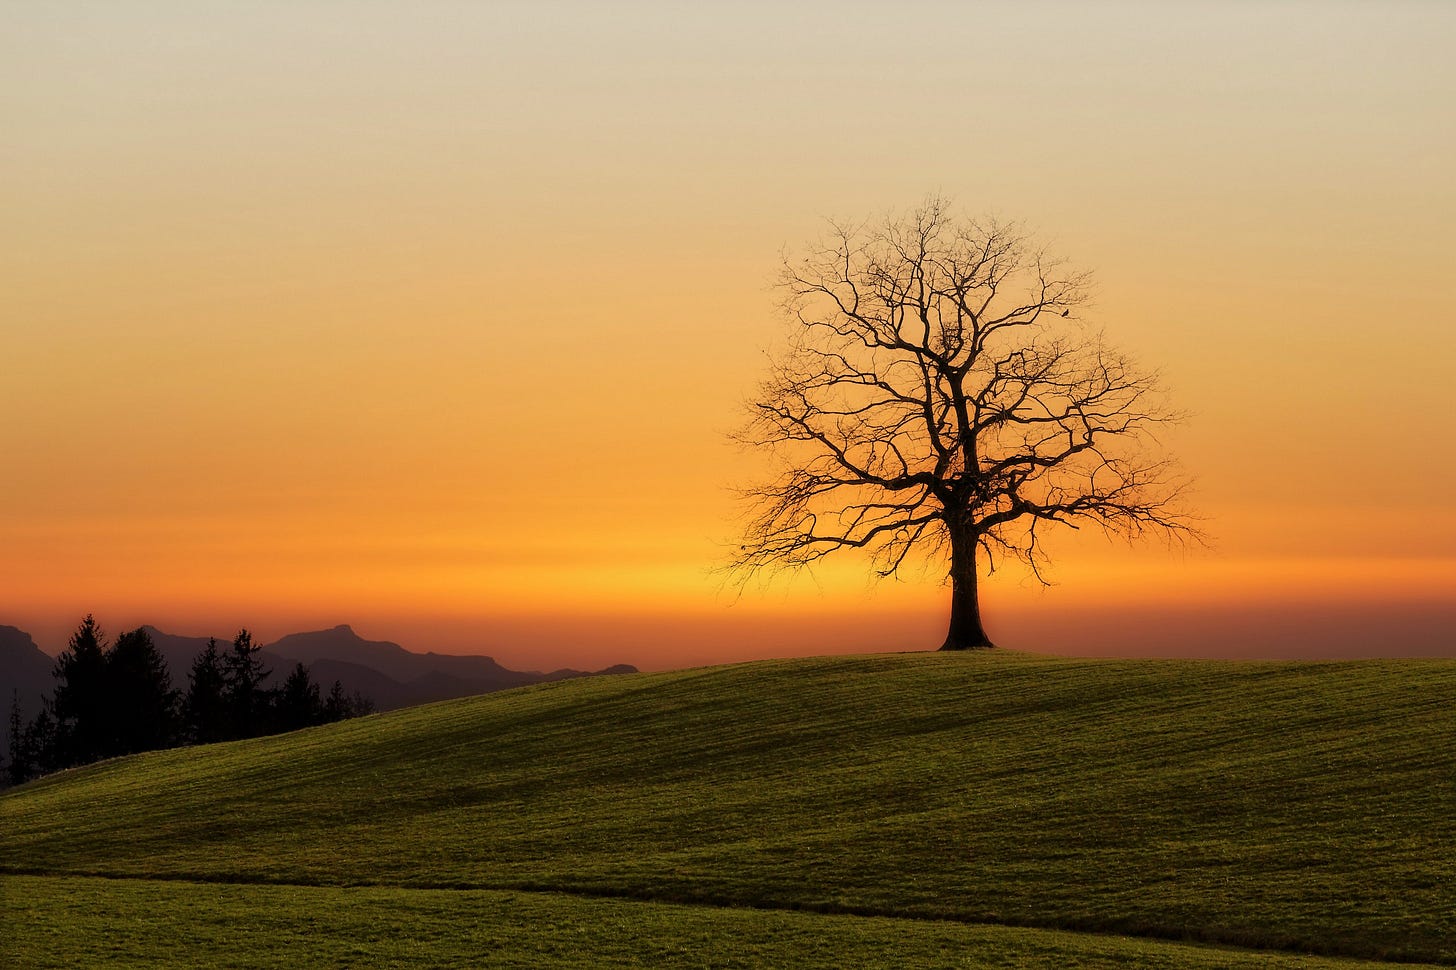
<point x="1295" y="806"/>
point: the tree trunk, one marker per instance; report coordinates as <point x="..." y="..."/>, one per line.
<point x="965" y="607"/>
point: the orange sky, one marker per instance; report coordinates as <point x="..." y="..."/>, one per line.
<point x="430" y="318"/>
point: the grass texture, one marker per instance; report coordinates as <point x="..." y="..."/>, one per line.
<point x="66" y="922"/>
<point x="1294" y="807"/>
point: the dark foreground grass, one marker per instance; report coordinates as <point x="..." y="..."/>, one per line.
<point x="78" y="922"/>
<point x="1283" y="806"/>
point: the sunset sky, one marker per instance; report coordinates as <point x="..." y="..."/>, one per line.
<point x="431" y="318"/>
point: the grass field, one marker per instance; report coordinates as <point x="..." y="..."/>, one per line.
<point x="933" y="802"/>
<point x="146" y="924"/>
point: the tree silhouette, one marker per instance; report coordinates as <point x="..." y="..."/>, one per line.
<point x="19" y="769"/>
<point x="83" y="731"/>
<point x="205" y="709"/>
<point x="42" y="744"/>
<point x="120" y="701"/>
<point x="940" y="401"/>
<point x="339" y="706"/>
<point x="247" y="700"/>
<point x="141" y="705"/>
<point x="336" y="705"/>
<point x="299" y="705"/>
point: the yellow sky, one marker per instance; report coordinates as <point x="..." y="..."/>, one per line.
<point x="431" y="317"/>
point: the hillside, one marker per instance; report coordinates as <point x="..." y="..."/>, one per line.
<point x="1289" y="806"/>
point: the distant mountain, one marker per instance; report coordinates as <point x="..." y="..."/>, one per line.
<point x="407" y="677"/>
<point x="390" y="659"/>
<point x="179" y="652"/>
<point x="384" y="672"/>
<point x="25" y="678"/>
<point x="384" y="691"/>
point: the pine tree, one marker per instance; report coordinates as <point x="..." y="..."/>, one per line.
<point x="140" y="702"/>
<point x="19" y="768"/>
<point x="206" y="707"/>
<point x="298" y="703"/>
<point x="247" y="701"/>
<point x="336" y="706"/>
<point x="340" y="706"/>
<point x="81" y="732"/>
<point x="42" y="744"/>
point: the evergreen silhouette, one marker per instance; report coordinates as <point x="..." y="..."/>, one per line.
<point x="141" y="705"/>
<point x="247" y="700"/>
<point x="81" y="732"/>
<point x="299" y="705"/>
<point x="339" y="706"/>
<point x="42" y="744"/>
<point x="336" y="705"/>
<point x="19" y="769"/>
<point x="205" y="709"/>
<point x="118" y="701"/>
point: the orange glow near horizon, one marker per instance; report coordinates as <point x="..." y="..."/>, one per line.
<point x="434" y="324"/>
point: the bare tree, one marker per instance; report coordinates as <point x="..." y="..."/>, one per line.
<point x="940" y="401"/>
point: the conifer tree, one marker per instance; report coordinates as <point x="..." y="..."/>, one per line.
<point x="336" y="705"/>
<point x="18" y="770"/>
<point x="141" y="704"/>
<point x="42" y="748"/>
<point x="206" y="707"/>
<point x="81" y="732"/>
<point x="298" y="702"/>
<point x="247" y="700"/>
<point x="339" y="706"/>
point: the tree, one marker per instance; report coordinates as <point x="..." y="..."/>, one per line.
<point x="141" y="705"/>
<point x="42" y="744"/>
<point x="82" y="729"/>
<point x="338" y="706"/>
<point x="247" y="700"/>
<point x="299" y="705"/>
<point x="19" y="769"/>
<point x="941" y="401"/>
<point x="205" y="709"/>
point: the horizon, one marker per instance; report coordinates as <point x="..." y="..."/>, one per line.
<point x="434" y="325"/>
<point x="1309" y="631"/>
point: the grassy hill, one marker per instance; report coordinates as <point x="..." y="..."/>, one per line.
<point x="1298" y="807"/>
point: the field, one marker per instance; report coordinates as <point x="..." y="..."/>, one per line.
<point x="939" y="810"/>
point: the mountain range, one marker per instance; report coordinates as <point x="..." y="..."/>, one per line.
<point x="384" y="672"/>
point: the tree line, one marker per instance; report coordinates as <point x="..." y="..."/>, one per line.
<point x="119" y="699"/>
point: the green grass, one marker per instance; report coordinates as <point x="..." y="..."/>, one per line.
<point x="79" y="922"/>
<point x="1296" y="807"/>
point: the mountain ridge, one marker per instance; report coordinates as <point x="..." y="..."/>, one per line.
<point x="383" y="671"/>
